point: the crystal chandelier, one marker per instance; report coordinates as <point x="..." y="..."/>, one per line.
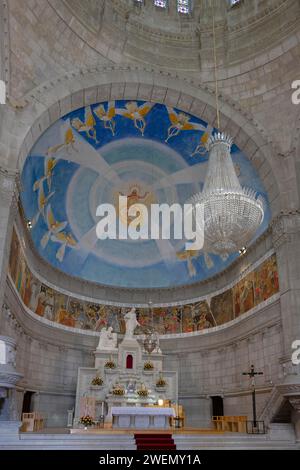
<point x="232" y="214"/>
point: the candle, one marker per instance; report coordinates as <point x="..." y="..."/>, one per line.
<point x="102" y="409"/>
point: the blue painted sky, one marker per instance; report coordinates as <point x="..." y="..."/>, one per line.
<point x="94" y="166"/>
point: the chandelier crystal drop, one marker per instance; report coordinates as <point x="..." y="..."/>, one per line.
<point x="232" y="214"/>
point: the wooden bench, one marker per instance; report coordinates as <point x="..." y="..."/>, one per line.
<point x="32" y="422"/>
<point x="230" y="423"/>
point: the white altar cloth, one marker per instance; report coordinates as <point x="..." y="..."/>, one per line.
<point x="139" y="417"/>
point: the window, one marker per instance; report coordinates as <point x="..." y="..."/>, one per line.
<point x="139" y="1"/>
<point x="2" y="352"/>
<point x="233" y="3"/>
<point x="161" y="3"/>
<point x="129" y="362"/>
<point x="2" y="92"/>
<point x="184" y="6"/>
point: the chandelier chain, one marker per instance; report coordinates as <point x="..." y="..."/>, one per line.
<point x="215" y="63"/>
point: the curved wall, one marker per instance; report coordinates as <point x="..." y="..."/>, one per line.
<point x="209" y="362"/>
<point x="251" y="291"/>
<point x="144" y="152"/>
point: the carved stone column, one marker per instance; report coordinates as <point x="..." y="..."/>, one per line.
<point x="9" y="377"/>
<point x="295" y="402"/>
<point x="286" y="239"/>
<point x="8" y="210"/>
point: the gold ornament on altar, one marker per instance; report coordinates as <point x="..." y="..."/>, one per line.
<point x="161" y="382"/>
<point x="118" y="390"/>
<point x="110" y="364"/>
<point x="86" y="420"/>
<point x="148" y="365"/>
<point x="142" y="391"/>
<point x="97" y="381"/>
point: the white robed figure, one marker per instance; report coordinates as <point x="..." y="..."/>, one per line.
<point x="131" y="323"/>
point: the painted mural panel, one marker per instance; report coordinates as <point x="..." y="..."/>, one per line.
<point x="254" y="288"/>
<point x="266" y="282"/>
<point x="145" y="152"/>
<point x="222" y="307"/>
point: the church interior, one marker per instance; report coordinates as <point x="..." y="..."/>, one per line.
<point x="129" y="131"/>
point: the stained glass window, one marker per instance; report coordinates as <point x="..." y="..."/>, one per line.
<point x="184" y="6"/>
<point x="232" y="3"/>
<point x="161" y="3"/>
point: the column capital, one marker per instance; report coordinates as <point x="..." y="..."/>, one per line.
<point x="10" y="188"/>
<point x="285" y="226"/>
<point x="295" y="402"/>
<point x="8" y="179"/>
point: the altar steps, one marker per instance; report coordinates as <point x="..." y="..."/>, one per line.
<point x="42" y="441"/>
<point x="154" y="442"/>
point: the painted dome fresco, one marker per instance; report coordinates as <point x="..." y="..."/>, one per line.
<point x="146" y="152"/>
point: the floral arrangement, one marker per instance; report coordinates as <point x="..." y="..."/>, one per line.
<point x="110" y="364"/>
<point x="86" y="420"/>
<point x="143" y="393"/>
<point x="161" y="382"/>
<point x="97" y="380"/>
<point x="148" y="365"/>
<point x="117" y="390"/>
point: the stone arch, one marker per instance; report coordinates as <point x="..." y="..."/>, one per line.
<point x="47" y="103"/>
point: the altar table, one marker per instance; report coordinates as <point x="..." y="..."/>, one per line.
<point x="139" y="417"/>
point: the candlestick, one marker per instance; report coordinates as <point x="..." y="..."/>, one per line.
<point x="102" y="409"/>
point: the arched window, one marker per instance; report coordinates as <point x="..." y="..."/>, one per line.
<point x="129" y="361"/>
<point x="184" y="6"/>
<point x="2" y="92"/>
<point x="2" y="352"/>
<point x="233" y="3"/>
<point x="161" y="3"/>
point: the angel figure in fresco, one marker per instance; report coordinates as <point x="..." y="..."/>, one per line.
<point x="42" y="203"/>
<point x="107" y="116"/>
<point x="69" y="141"/>
<point x="201" y="148"/>
<point x="136" y="113"/>
<point x="181" y="122"/>
<point x="208" y="260"/>
<point x="65" y="239"/>
<point x="88" y="126"/>
<point x="188" y="256"/>
<point x="54" y="227"/>
<point x="49" y="165"/>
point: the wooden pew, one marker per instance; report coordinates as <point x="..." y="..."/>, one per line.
<point x="32" y="422"/>
<point x="230" y="423"/>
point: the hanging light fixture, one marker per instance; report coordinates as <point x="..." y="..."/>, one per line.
<point x="232" y="214"/>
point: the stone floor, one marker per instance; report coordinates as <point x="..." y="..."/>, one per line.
<point x="188" y="439"/>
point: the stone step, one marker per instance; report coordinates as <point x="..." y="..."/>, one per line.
<point x="109" y="441"/>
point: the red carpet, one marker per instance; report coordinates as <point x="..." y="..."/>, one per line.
<point x="154" y="442"/>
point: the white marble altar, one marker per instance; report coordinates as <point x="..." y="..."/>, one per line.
<point x="141" y="417"/>
<point x="128" y="374"/>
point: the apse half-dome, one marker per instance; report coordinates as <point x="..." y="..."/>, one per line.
<point x="146" y="152"/>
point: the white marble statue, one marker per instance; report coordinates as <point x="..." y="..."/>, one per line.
<point x="108" y="339"/>
<point x="131" y="323"/>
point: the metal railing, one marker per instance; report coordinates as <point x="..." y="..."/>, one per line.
<point x="255" y="427"/>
